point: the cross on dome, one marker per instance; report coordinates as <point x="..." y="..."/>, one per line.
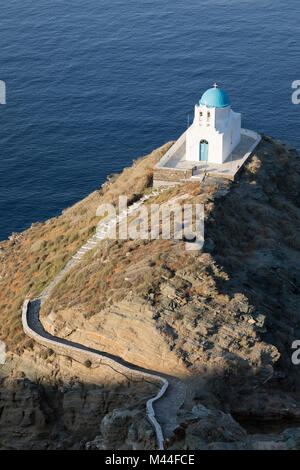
<point x="215" y="85"/>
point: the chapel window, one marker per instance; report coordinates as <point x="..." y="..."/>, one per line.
<point x="208" y="118"/>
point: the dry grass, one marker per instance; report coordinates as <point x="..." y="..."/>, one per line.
<point x="120" y="267"/>
<point x="30" y="260"/>
<point x="238" y="225"/>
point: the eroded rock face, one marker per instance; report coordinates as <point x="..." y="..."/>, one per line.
<point x="62" y="403"/>
<point x="39" y="417"/>
<point x="231" y="307"/>
<point x="206" y="429"/>
<point x="124" y="429"/>
<point x="24" y="414"/>
<point x="227" y="315"/>
<point x="222" y="320"/>
<point x="175" y="336"/>
<point x="215" y="426"/>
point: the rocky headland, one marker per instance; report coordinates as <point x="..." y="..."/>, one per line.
<point x="220" y="321"/>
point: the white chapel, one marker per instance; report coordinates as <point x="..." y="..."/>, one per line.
<point x="216" y="129"/>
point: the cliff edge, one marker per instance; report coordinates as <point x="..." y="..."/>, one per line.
<point x="222" y="319"/>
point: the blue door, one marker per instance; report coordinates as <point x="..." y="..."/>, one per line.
<point x="203" y="151"/>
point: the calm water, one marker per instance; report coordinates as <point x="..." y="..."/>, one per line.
<point x="92" y="84"/>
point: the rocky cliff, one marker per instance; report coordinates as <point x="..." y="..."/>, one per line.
<point x="222" y="319"/>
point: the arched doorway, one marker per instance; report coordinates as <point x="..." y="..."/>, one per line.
<point x="203" y="151"/>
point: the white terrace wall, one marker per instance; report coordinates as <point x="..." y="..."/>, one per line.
<point x="172" y="150"/>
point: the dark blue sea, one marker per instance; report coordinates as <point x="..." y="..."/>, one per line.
<point x="93" y="84"/>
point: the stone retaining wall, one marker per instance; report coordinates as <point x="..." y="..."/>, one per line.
<point x="172" y="174"/>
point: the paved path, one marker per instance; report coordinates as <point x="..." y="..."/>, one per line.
<point x="162" y="408"/>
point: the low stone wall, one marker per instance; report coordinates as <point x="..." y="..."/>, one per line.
<point x="172" y="174"/>
<point x="165" y="184"/>
<point x="62" y="346"/>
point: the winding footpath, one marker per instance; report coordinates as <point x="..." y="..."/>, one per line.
<point x="162" y="408"/>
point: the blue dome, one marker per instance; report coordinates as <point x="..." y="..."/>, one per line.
<point x="215" y="98"/>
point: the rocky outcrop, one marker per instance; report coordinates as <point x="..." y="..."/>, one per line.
<point x="206" y="429"/>
<point x="220" y="321"/>
<point x="118" y="331"/>
<point x="33" y="328"/>
<point x="64" y="402"/>
<point x="223" y="318"/>
<point x="124" y="430"/>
